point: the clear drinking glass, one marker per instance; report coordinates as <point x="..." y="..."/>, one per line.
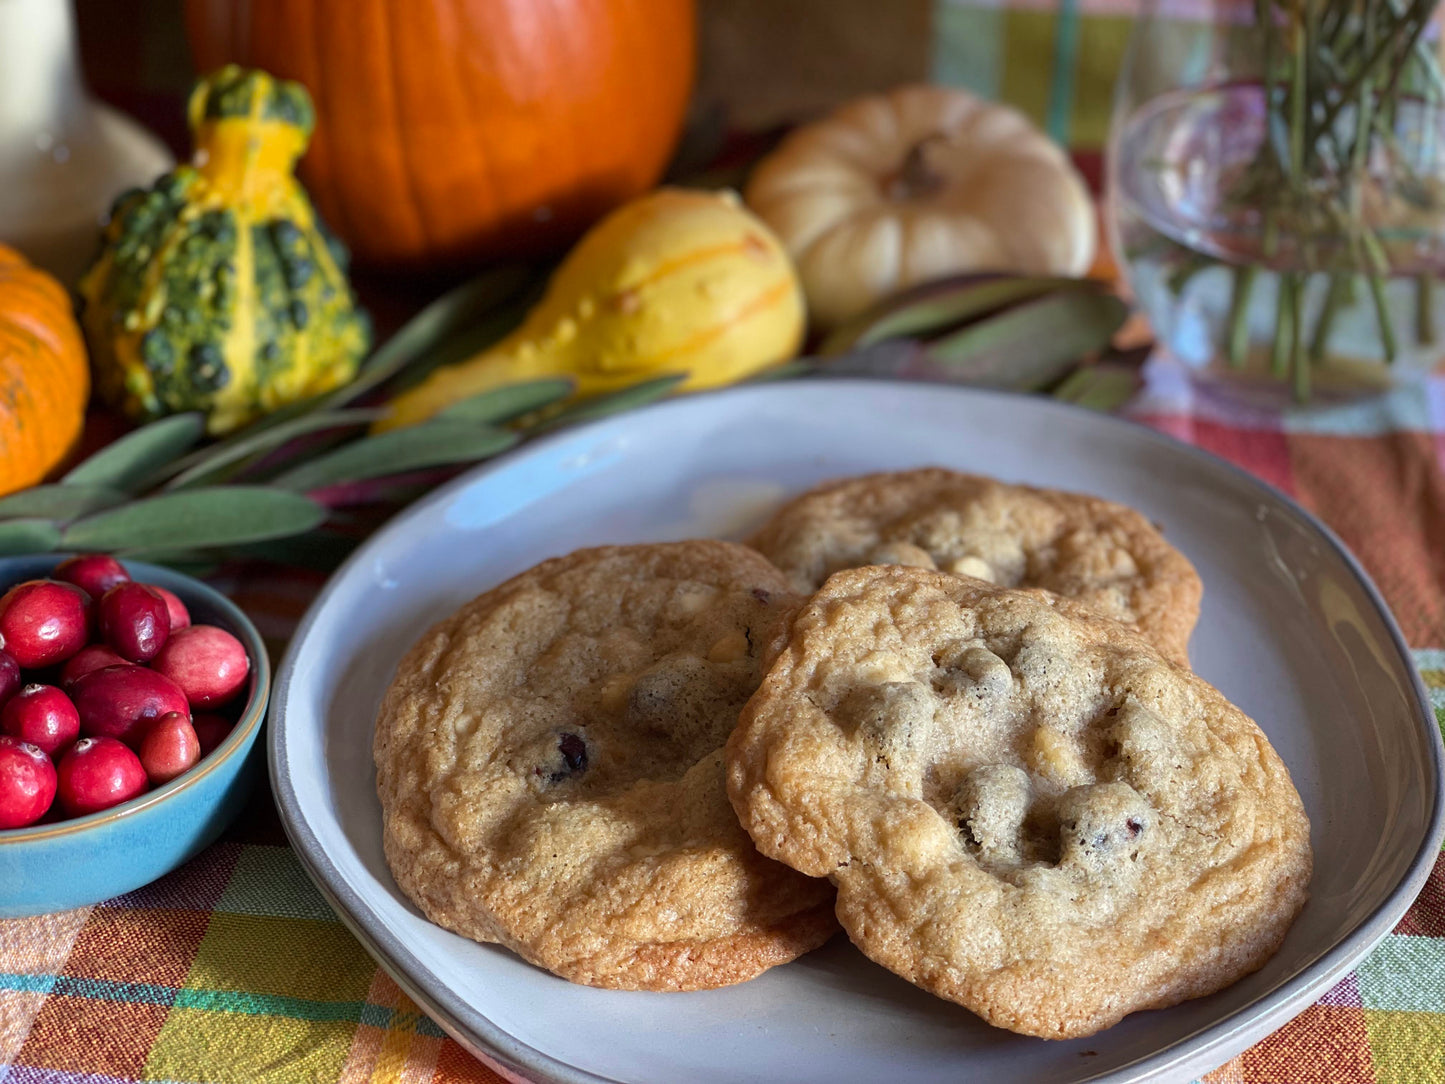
<point x="1276" y="192"/>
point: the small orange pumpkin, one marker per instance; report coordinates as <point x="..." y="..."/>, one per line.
<point x="44" y="382"/>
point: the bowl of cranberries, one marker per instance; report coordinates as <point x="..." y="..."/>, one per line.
<point x="130" y="699"/>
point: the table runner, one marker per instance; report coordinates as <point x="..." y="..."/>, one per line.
<point x="234" y="970"/>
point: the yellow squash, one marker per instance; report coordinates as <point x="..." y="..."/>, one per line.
<point x="676" y="281"/>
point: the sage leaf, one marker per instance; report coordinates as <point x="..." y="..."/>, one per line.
<point x="443" y="332"/>
<point x="192" y="562"/>
<point x="1100" y="387"/>
<point x="785" y="371"/>
<point x="601" y="406"/>
<point x="209" y="462"/>
<point x="59" y="501"/>
<point x="124" y="463"/>
<point x="432" y="444"/>
<point x="32" y="535"/>
<point x="444" y="317"/>
<point x="319" y="550"/>
<point x="196" y="518"/>
<point x="1031" y="345"/>
<point x="467" y="342"/>
<point x="512" y="401"/>
<point x="937" y="306"/>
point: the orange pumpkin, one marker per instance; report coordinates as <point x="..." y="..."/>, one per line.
<point x="450" y="131"/>
<point x="44" y="382"/>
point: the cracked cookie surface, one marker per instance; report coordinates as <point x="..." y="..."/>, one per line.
<point x="1025" y="807"/>
<point x="1103" y="555"/>
<point x="549" y="763"/>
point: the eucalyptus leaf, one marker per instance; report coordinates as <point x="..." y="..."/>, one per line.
<point x="196" y="518"/>
<point x="1033" y="344"/>
<point x="209" y="462"/>
<point x="32" y="535"/>
<point x="124" y="463"/>
<point x="59" y="501"/>
<point x="512" y="401"/>
<point x="432" y="444"/>
<point x="937" y="306"/>
<point x="600" y="406"/>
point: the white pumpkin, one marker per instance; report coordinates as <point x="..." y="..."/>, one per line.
<point x="917" y="184"/>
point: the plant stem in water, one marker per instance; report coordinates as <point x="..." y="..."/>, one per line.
<point x="1238" y="309"/>
<point x="1380" y="267"/>
<point x="1339" y="287"/>
<point x="1280" y="348"/>
<point x="1425" y="310"/>
<point x="1298" y="364"/>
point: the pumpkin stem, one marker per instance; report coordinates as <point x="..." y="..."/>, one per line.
<point x="916" y="178"/>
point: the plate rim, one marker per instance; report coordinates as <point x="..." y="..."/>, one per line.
<point x="491" y="1044"/>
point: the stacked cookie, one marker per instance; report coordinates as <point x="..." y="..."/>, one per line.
<point x="955" y="713"/>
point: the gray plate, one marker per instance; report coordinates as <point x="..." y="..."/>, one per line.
<point x="1292" y="631"/>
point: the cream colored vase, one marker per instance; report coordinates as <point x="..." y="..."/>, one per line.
<point x="63" y="156"/>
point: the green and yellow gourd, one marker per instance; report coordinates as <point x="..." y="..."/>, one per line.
<point x="218" y="289"/>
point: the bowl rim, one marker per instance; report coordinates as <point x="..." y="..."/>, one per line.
<point x="247" y="724"/>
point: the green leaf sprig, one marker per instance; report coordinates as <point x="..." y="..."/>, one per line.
<point x="290" y="486"/>
<point x="159" y="491"/>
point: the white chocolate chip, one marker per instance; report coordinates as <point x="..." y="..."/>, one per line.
<point x="900" y="553"/>
<point x="729" y="648"/>
<point x="613" y="693"/>
<point x="694" y="598"/>
<point x="976" y="567"/>
<point x="1052" y="755"/>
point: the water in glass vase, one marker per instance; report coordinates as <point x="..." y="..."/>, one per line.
<point x="1245" y="301"/>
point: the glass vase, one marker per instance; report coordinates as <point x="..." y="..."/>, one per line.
<point x="1276" y="194"/>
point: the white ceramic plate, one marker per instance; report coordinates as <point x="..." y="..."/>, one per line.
<point x="1292" y="631"/>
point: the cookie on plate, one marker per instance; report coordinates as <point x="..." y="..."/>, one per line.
<point x="1106" y="556"/>
<point x="549" y="762"/>
<point x="1025" y="807"/>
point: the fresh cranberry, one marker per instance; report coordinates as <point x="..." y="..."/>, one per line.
<point x="10" y="679"/>
<point x="90" y="657"/>
<point x="169" y="748"/>
<point x="97" y="773"/>
<point x="134" y="621"/>
<point x="208" y="663"/>
<point x="43" y="716"/>
<point x="121" y="701"/>
<point x="43" y="622"/>
<point x="93" y="573"/>
<point x="27" y="782"/>
<point x="180" y="616"/>
<point x="211" y="730"/>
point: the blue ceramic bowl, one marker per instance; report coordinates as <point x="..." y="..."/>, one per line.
<point x="73" y="863"/>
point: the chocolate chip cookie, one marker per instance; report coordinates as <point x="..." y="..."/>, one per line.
<point x="1104" y="555"/>
<point x="1025" y="807"/>
<point x="549" y="762"/>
